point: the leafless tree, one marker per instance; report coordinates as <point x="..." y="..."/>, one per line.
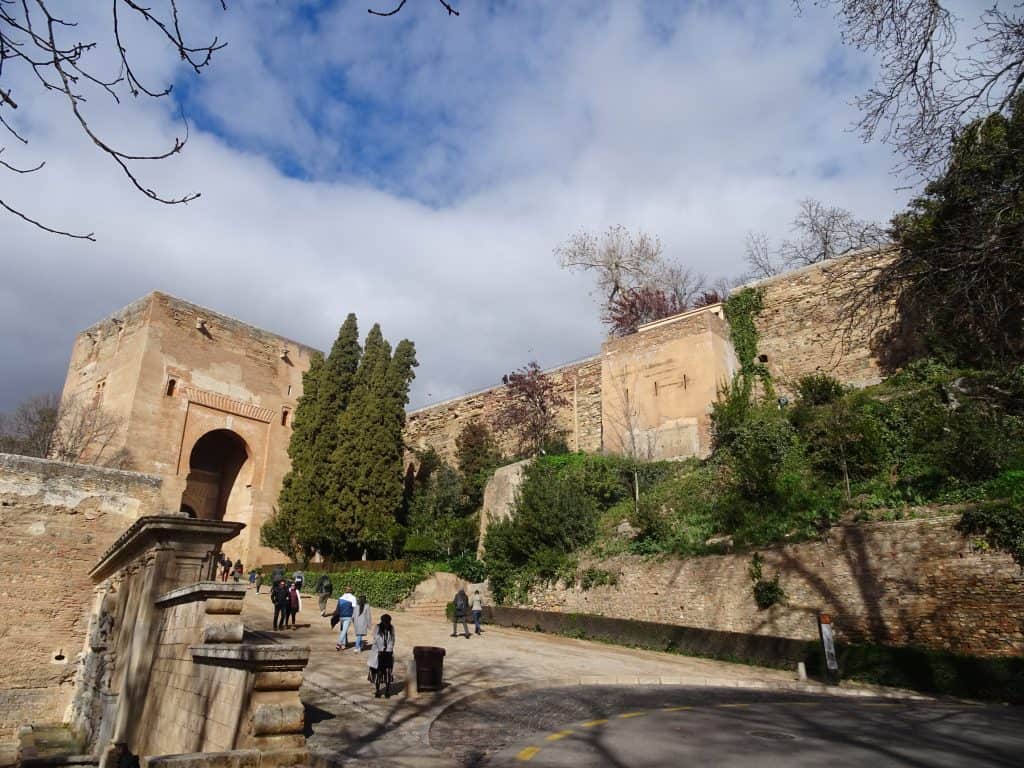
<point x="75" y="430"/>
<point x="41" y="52"/>
<point x="930" y="84"/>
<point x="760" y="262"/>
<point x="820" y="233"/>
<point x="624" y="421"/>
<point x="823" y="232"/>
<point x="617" y="258"/>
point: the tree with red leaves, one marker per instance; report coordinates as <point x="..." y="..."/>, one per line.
<point x="633" y="307"/>
<point x="529" y="409"/>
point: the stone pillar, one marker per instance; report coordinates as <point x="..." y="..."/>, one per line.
<point x="154" y="556"/>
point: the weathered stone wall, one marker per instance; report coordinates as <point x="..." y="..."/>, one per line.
<point x="915" y="582"/>
<point x="438" y="426"/>
<point x="805" y="328"/>
<point x="173" y="372"/>
<point x="55" y="521"/>
<point x="658" y="384"/>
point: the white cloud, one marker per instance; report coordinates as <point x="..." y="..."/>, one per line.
<point x="442" y="161"/>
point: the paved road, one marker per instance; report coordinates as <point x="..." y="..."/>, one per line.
<point x="644" y="727"/>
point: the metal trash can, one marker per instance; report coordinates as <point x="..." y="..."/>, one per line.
<point x="429" y="667"/>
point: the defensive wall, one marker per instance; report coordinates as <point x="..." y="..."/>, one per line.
<point x="649" y="394"/>
<point x="205" y="401"/>
<point x="55" y="521"/>
<point x="913" y="583"/>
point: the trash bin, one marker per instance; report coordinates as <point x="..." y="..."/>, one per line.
<point x="429" y="667"/>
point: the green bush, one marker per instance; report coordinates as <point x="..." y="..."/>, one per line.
<point x="554" y="516"/>
<point x="1000" y="524"/>
<point x="468" y="568"/>
<point x="597" y="577"/>
<point x="383" y="589"/>
<point x="767" y="593"/>
<point x="819" y="389"/>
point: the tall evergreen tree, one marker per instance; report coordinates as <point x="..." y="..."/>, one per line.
<point x="338" y="380"/>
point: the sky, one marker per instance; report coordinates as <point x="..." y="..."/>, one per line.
<point x="419" y="170"/>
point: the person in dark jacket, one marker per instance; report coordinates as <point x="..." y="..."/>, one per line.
<point x="344" y="612"/>
<point x="279" y="597"/>
<point x="323" y="590"/>
<point x="461" y="603"/>
<point x="293" y="603"/>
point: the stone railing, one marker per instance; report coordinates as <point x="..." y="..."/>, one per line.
<point x="166" y="671"/>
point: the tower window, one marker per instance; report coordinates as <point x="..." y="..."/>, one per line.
<point x="171" y="384"/>
<point x="284" y="417"/>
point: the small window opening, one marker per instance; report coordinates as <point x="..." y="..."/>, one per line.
<point x="289" y="390"/>
<point x="284" y="417"/>
<point x="171" y="384"/>
<point x="655" y="389"/>
<point x="762" y="358"/>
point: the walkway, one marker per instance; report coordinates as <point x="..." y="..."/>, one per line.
<point x="350" y="727"/>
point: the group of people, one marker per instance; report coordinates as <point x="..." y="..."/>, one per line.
<point x="354" y="613"/>
<point x="227" y="568"/>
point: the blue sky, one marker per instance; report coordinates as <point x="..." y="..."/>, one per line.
<point x="420" y="170"/>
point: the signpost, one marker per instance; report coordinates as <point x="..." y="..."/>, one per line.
<point x="829" y="644"/>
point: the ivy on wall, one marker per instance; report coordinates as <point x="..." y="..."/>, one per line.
<point x="741" y="310"/>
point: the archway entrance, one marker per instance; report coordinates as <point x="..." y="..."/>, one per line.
<point x="219" y="468"/>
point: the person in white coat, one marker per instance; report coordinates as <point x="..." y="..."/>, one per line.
<point x="382" y="657"/>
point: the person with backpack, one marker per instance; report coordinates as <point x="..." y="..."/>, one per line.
<point x="323" y="590"/>
<point x="343" y="612"/>
<point x="461" y="603"/>
<point x="381" y="659"/>
<point x="279" y="598"/>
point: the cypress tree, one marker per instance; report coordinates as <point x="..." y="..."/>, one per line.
<point x="338" y="380"/>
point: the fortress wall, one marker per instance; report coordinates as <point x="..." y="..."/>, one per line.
<point x="913" y="582"/>
<point x="55" y="521"/>
<point x="438" y="426"/>
<point x="803" y="328"/>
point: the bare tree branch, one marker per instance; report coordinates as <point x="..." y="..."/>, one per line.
<point x="33" y="41"/>
<point x="401" y="4"/>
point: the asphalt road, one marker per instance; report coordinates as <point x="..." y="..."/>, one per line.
<point x="643" y="727"/>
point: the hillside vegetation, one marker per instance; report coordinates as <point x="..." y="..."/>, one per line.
<point x="930" y="435"/>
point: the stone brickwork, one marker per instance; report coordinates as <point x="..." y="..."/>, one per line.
<point x="439" y="425"/>
<point x="205" y="401"/>
<point x="804" y="328"/>
<point x="915" y="583"/>
<point x="165" y="668"/>
<point x="55" y="521"/>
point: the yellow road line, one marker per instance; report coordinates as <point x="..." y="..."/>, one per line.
<point x="558" y="735"/>
<point x="675" y="709"/>
<point x="527" y="754"/>
<point x="633" y="714"/>
<point x="592" y="723"/>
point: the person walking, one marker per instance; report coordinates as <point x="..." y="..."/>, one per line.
<point x="343" y="613"/>
<point x="323" y="590"/>
<point x="259" y="581"/>
<point x="381" y="659"/>
<point x="299" y="578"/>
<point x="361" y="622"/>
<point x="225" y="567"/>
<point x="279" y="599"/>
<point x="238" y="571"/>
<point x="477" y="607"/>
<point x="293" y="603"/>
<point x="252" y="577"/>
<point x="461" y="603"/>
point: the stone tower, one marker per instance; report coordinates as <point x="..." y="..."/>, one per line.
<point x="200" y="399"/>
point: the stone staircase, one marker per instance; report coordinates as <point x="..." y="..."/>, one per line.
<point x="427" y="608"/>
